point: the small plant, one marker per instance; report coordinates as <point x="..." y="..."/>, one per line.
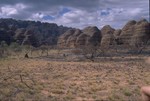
<point x="114" y="97"/>
<point x="127" y="92"/>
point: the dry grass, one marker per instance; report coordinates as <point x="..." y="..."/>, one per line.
<point x="72" y="81"/>
<point x="148" y="60"/>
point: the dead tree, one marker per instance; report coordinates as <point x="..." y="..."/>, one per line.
<point x="138" y="47"/>
<point x="90" y="52"/>
<point x="3" y="49"/>
<point x="44" y="49"/>
<point x="33" y="50"/>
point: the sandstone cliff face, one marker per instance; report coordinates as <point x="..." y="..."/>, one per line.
<point x="63" y="38"/>
<point x="37" y="33"/>
<point x="71" y="42"/>
<point x="93" y="35"/>
<point x="107" y="35"/>
<point x="141" y="32"/>
<point x="30" y="37"/>
<point x="127" y="32"/>
<point x="76" y="37"/>
<point x="135" y="32"/>
<point x="117" y="33"/>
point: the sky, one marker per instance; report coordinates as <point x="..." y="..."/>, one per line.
<point x="77" y="13"/>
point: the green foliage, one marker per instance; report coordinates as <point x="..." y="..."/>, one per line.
<point x="127" y="92"/>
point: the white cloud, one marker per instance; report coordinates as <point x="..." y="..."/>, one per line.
<point x="8" y="10"/>
<point x="135" y="11"/>
<point x="77" y="18"/>
<point x="116" y="17"/>
<point x="37" y="16"/>
<point x="83" y="12"/>
<point x="20" y="6"/>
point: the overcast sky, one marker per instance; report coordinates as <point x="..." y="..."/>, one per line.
<point x="76" y="13"/>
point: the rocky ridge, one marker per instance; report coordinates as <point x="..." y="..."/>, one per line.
<point x="133" y="32"/>
<point x="76" y="37"/>
<point x="33" y="33"/>
<point x="36" y="33"/>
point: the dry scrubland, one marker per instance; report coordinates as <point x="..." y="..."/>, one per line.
<point x="43" y="80"/>
<point x="69" y="64"/>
